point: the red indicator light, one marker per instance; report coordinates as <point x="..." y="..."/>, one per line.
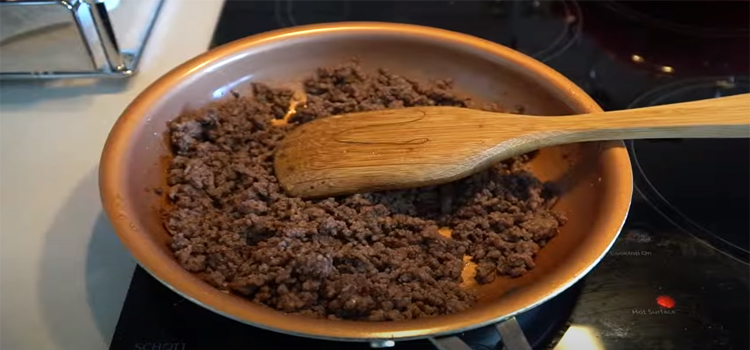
<point x="665" y="301"/>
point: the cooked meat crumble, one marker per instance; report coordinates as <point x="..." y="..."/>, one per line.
<point x="372" y="256"/>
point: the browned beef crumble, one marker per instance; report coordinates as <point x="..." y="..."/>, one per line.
<point x="372" y="256"/>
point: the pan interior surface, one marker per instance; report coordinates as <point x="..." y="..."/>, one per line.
<point x="595" y="177"/>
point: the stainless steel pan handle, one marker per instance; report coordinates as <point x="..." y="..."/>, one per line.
<point x="512" y="335"/>
<point x="510" y="331"/>
<point x="449" y="343"/>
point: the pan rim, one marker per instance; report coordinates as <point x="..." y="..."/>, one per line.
<point x="113" y="178"/>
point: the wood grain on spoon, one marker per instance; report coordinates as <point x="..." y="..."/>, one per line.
<point x="419" y="146"/>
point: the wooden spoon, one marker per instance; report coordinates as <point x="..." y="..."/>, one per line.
<point x="419" y="146"/>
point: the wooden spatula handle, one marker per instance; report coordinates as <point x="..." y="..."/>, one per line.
<point x="698" y="119"/>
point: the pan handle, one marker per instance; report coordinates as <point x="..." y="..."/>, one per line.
<point x="449" y="343"/>
<point x="512" y="335"/>
<point x="510" y="331"/>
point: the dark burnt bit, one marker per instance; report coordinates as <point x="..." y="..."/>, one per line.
<point x="373" y="256"/>
<point x="157" y="191"/>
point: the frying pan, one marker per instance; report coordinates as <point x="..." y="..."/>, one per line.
<point x="596" y="177"/>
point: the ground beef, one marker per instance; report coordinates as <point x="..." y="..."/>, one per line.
<point x="372" y="256"/>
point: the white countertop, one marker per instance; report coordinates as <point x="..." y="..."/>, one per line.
<point x="64" y="273"/>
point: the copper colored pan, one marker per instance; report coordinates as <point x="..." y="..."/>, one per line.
<point x="596" y="176"/>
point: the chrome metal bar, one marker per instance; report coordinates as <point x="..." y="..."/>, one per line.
<point x="106" y="34"/>
<point x="65" y="75"/>
<point x="135" y="57"/>
<point x="86" y="30"/>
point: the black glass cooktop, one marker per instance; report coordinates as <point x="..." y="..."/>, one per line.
<point x="678" y="276"/>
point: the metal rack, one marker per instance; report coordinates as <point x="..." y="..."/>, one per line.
<point x="52" y="39"/>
